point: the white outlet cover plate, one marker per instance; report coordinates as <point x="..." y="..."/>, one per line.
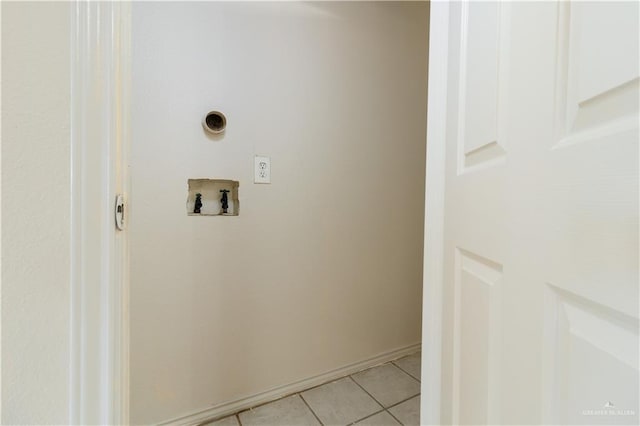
<point x="262" y="169"/>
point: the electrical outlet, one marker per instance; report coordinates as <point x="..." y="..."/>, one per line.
<point x="262" y="170"/>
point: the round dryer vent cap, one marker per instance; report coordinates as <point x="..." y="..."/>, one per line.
<point x="214" y="122"/>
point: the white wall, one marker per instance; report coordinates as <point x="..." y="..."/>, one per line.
<point x="324" y="266"/>
<point x="35" y="212"/>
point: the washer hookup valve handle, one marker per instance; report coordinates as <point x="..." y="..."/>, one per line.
<point x="224" y="201"/>
<point x="198" y="204"/>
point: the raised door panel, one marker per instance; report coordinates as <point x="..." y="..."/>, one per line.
<point x="482" y="86"/>
<point x="477" y="339"/>
<point x="597" y="70"/>
<point x="592" y="362"/>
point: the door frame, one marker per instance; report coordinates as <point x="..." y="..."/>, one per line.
<point x="433" y="278"/>
<point x="100" y="140"/>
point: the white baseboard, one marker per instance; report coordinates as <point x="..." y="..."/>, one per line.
<point x="230" y="407"/>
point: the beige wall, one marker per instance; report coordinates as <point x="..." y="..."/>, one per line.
<point x="35" y="212"/>
<point x="323" y="267"/>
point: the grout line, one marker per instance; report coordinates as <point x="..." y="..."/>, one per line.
<point x="391" y="406"/>
<point x="405" y="372"/>
<point x="334" y="380"/>
<point x="310" y="409"/>
<point x="238" y="419"/>
<point x="365" y="418"/>
<point x="379" y="403"/>
<point x="391" y="414"/>
<point x="404" y="400"/>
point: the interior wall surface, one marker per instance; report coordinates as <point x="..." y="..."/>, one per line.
<point x="36" y="200"/>
<point x="323" y="266"/>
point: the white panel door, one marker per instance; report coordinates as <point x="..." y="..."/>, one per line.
<point x="541" y="214"/>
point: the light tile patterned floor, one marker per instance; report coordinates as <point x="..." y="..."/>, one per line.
<point x="386" y="395"/>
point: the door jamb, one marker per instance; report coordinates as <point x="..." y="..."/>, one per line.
<point x="433" y="280"/>
<point x="100" y="139"/>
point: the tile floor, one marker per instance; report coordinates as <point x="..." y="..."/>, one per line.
<point x="385" y="395"/>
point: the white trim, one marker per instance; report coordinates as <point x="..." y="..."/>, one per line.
<point x="230" y="407"/>
<point x="99" y="283"/>
<point x="1" y="316"/>
<point x="434" y="214"/>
